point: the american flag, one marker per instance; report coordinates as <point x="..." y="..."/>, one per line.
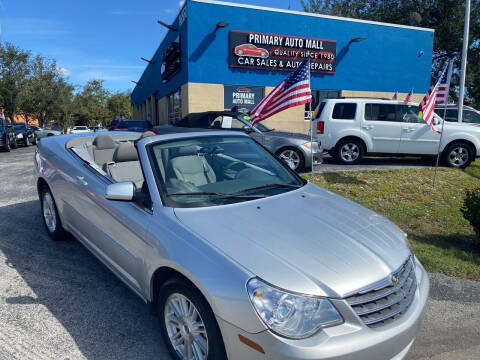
<point x="444" y="87"/>
<point x="409" y="97"/>
<point x="395" y="96"/>
<point x="293" y="91"/>
<point x="427" y="106"/>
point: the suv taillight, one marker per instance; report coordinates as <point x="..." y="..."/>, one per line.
<point x="320" y="127"/>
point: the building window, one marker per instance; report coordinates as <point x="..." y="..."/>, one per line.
<point x="319" y="95"/>
<point x="174" y="107"/>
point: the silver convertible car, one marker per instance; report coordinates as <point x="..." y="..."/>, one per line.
<point x="241" y="257"/>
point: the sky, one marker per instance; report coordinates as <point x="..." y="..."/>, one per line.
<point x="102" y="39"/>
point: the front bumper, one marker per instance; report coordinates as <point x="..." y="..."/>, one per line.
<point x="350" y="341"/>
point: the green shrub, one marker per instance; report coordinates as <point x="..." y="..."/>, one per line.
<point x="471" y="209"/>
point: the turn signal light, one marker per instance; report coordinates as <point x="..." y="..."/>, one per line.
<point x="320" y="127"/>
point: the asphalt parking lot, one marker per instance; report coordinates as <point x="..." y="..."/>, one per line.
<point x="58" y="302"/>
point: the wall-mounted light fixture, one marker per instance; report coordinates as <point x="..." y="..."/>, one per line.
<point x="357" y="39"/>
<point x="149" y="61"/>
<point x="222" y="24"/>
<point x="420" y="53"/>
<point x="170" y="27"/>
<point x="135" y="82"/>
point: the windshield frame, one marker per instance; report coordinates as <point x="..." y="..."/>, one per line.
<point x="160" y="184"/>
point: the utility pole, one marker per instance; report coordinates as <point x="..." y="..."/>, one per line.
<point x="464" y="60"/>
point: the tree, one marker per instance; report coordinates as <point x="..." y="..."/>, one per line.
<point x="445" y="16"/>
<point x="91" y="104"/>
<point x="45" y="92"/>
<point x="119" y="103"/>
<point x="14" y="70"/>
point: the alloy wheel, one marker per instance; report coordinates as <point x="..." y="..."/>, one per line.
<point x="49" y="212"/>
<point x="458" y="156"/>
<point x="185" y="327"/>
<point x="350" y="152"/>
<point x="291" y="157"/>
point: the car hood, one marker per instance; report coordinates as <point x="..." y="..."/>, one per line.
<point x="283" y="134"/>
<point x="308" y="240"/>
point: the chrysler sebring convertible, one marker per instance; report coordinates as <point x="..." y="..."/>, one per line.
<point x="241" y="257"/>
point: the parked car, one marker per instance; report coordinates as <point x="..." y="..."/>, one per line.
<point x="78" y="130"/>
<point x="240" y="259"/>
<point x="8" y="139"/>
<point x="97" y="128"/>
<point x="293" y="148"/>
<point x="470" y="115"/>
<point x="24" y="134"/>
<point x="250" y="50"/>
<point x="41" y="133"/>
<point x="134" y="125"/>
<point x="352" y="128"/>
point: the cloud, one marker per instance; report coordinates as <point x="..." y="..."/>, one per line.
<point x="102" y="75"/>
<point x="64" y="72"/>
<point x="34" y="27"/>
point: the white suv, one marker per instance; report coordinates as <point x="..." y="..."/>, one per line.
<point x="350" y="128"/>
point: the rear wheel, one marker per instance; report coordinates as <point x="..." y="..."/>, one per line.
<point x="7" y="144"/>
<point x="34" y="142"/>
<point x="349" y="151"/>
<point x="15" y="144"/>
<point x="27" y="142"/>
<point x="292" y="157"/>
<point x="51" y="220"/>
<point x="458" y="155"/>
<point x="188" y="325"/>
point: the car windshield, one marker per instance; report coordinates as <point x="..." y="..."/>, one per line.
<point x="218" y="170"/>
<point x="19" y="126"/>
<point x="133" y="124"/>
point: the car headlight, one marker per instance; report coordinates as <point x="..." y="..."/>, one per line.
<point x="19" y="136"/>
<point x="308" y="145"/>
<point x="291" y="315"/>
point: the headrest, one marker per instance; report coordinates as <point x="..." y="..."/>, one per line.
<point x="147" y="134"/>
<point x="125" y="151"/>
<point x="103" y="141"/>
<point x="188" y="150"/>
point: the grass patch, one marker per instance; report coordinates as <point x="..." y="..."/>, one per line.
<point x="441" y="238"/>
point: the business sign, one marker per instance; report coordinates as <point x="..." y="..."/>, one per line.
<point x="254" y="50"/>
<point x="171" y="60"/>
<point x="245" y="98"/>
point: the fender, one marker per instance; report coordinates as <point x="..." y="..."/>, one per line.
<point x="353" y="133"/>
<point x="459" y="136"/>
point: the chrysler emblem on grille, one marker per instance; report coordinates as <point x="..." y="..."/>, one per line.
<point x="394" y="279"/>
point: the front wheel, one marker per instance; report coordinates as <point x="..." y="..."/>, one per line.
<point x="349" y="151"/>
<point x="292" y="157"/>
<point x="27" y="142"/>
<point x="458" y="155"/>
<point x="7" y="144"/>
<point x="188" y="324"/>
<point x="15" y="144"/>
<point x="35" y="141"/>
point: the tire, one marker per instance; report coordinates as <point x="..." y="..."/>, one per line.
<point x="292" y="157"/>
<point x="50" y="217"/>
<point x="172" y="322"/>
<point x="35" y="140"/>
<point x="26" y="143"/>
<point x="14" y="145"/>
<point x="264" y="54"/>
<point x="240" y="53"/>
<point x="458" y="154"/>
<point x="7" y="144"/>
<point x="349" y="151"/>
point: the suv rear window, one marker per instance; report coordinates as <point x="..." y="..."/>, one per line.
<point x="381" y="112"/>
<point x="344" y="111"/>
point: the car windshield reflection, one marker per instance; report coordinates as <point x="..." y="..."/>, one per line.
<point x="218" y="170"/>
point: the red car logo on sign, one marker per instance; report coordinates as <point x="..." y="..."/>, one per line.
<point x="250" y="50"/>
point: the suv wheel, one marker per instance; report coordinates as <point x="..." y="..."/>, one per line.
<point x="7" y="144"/>
<point x="187" y="323"/>
<point x="458" y="155"/>
<point x="349" y="151"/>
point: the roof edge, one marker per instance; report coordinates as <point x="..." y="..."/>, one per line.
<point x="294" y="12"/>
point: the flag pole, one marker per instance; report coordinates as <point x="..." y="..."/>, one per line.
<point x="464" y="61"/>
<point x="311" y="138"/>
<point x="439" y="144"/>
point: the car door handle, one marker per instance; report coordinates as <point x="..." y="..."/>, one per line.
<point x="81" y="180"/>
<point x="367" y="127"/>
<point x="408" y="129"/>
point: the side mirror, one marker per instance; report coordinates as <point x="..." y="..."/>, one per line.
<point x="247" y="129"/>
<point x="124" y="191"/>
<point x="436" y="121"/>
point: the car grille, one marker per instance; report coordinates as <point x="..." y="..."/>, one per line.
<point x="383" y="304"/>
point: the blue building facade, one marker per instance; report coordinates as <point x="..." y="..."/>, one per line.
<point x="231" y="54"/>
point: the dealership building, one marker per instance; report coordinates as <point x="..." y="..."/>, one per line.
<point x="217" y="55"/>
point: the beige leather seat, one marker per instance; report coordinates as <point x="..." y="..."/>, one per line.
<point x="102" y="149"/>
<point x="125" y="165"/>
<point x="190" y="167"/>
